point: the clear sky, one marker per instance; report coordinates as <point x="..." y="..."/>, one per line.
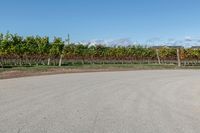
<point x="102" y="19"/>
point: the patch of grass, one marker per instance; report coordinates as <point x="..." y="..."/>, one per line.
<point x="89" y="66"/>
<point x="41" y="68"/>
<point x="190" y="67"/>
<point x="14" y="72"/>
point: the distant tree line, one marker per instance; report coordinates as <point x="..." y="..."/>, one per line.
<point x="17" y="50"/>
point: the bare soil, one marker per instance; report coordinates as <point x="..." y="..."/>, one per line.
<point x="18" y="73"/>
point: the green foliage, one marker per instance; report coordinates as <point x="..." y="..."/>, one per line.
<point x="56" y="47"/>
<point x="167" y="53"/>
<point x="36" y="49"/>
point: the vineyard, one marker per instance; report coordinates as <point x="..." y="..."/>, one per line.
<point x="17" y="50"/>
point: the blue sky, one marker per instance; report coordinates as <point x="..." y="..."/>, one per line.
<point x="139" y="20"/>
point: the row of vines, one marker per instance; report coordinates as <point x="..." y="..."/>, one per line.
<point x="17" y="50"/>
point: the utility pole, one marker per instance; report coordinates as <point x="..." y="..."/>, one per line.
<point x="62" y="54"/>
<point x="68" y="39"/>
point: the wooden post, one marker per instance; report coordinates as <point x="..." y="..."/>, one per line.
<point x="1" y="62"/>
<point x="60" y="61"/>
<point x="178" y="57"/>
<point x="157" y="53"/>
<point x="49" y="60"/>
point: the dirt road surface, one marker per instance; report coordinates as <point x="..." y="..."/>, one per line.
<point x="159" y="101"/>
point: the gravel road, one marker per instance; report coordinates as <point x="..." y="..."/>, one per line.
<point x="159" y="101"/>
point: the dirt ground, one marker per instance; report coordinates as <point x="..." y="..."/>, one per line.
<point x="18" y="73"/>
